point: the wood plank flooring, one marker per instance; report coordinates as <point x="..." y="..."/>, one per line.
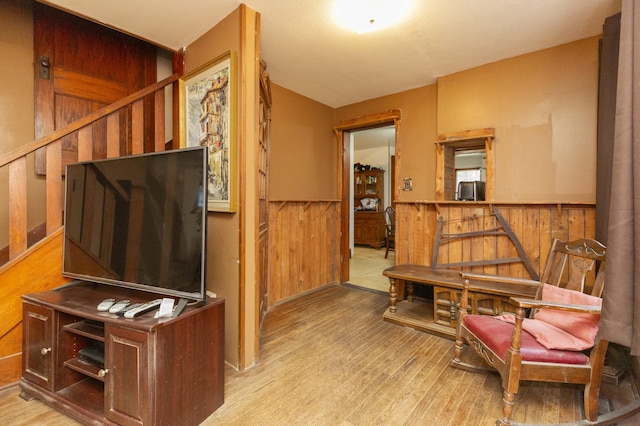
<point x="327" y="358"/>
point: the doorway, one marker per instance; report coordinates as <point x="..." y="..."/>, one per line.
<point x="373" y="151"/>
<point x="344" y="136"/>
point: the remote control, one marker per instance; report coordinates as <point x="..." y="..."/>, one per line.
<point x="118" y="306"/>
<point x="106" y="304"/>
<point x="128" y="308"/>
<point x="146" y="307"/>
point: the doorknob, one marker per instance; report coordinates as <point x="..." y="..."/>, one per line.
<point x="44" y="66"/>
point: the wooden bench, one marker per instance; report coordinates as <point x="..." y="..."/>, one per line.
<point x="439" y="317"/>
<point x="487" y="298"/>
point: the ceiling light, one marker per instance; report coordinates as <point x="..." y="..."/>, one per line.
<point x="364" y="16"/>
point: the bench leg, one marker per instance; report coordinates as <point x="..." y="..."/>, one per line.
<point x="393" y="295"/>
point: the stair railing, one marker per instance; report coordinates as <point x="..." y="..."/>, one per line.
<point x="16" y="160"/>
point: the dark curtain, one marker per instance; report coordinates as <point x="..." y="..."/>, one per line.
<point x="608" y="78"/>
<point x="619" y="323"/>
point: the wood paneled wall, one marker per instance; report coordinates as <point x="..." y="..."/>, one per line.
<point x="535" y="226"/>
<point x="304" y="245"/>
<point x="36" y="270"/>
<point x="304" y="238"/>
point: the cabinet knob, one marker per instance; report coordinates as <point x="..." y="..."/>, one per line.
<point x="103" y="372"/>
<point x="45" y="351"/>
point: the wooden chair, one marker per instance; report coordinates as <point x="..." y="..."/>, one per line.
<point x="390" y="230"/>
<point x="516" y="354"/>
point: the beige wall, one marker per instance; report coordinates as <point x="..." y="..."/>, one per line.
<point x="223" y="244"/>
<point x="17" y="104"/>
<point x="232" y="251"/>
<point x="544" y="108"/>
<point x="415" y="153"/>
<point x="304" y="149"/>
<point x="16" y="76"/>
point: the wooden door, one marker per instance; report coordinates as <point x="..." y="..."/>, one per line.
<point x="81" y="67"/>
<point x="38" y="354"/>
<point x="263" y="190"/>
<point x="127" y="399"/>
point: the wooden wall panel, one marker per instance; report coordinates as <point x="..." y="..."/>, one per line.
<point x="36" y="270"/>
<point x="304" y="240"/>
<point x="535" y="226"/>
<point x="304" y="244"/>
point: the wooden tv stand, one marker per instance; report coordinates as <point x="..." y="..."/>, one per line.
<point x="156" y="371"/>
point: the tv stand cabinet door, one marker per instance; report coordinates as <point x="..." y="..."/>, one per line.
<point x="127" y="391"/>
<point x="38" y="353"/>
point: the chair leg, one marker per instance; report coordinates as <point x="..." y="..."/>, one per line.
<point x="459" y="341"/>
<point x="458" y="350"/>
<point x="386" y="253"/>
<point x="591" y="402"/>
<point x="508" y="399"/>
<point x="592" y="389"/>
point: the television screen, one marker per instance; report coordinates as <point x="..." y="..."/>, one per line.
<point x="471" y="190"/>
<point x="139" y="221"/>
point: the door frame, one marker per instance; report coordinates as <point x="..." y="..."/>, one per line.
<point x="343" y="131"/>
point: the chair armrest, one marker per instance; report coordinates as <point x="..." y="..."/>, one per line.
<point x="543" y="304"/>
<point x="498" y="279"/>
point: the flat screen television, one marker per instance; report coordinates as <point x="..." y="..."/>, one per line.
<point x="139" y="221"/>
<point x="471" y="190"/>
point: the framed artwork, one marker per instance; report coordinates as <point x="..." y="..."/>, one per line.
<point x="207" y="115"/>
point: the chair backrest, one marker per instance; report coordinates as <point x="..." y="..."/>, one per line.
<point x="576" y="265"/>
<point x="390" y="213"/>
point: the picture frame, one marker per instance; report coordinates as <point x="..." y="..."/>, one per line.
<point x="208" y="118"/>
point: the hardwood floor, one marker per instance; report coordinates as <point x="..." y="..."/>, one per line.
<point x="327" y="358"/>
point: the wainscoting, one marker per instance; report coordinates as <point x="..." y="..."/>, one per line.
<point x="305" y="238"/>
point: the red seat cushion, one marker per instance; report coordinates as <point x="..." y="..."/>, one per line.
<point x="496" y="335"/>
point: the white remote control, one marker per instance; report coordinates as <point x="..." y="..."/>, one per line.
<point x="128" y="308"/>
<point x="145" y="307"/>
<point x="118" y="306"/>
<point x="106" y="304"/>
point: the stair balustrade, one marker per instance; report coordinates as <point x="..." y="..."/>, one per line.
<point x="132" y="108"/>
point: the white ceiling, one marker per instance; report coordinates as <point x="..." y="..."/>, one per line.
<point x="379" y="137"/>
<point x="308" y="53"/>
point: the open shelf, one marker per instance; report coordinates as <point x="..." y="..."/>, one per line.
<point x="88" y="369"/>
<point x="91" y="329"/>
<point x="419" y="316"/>
<point x="89" y="391"/>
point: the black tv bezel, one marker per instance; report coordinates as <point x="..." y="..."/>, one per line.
<point x="149" y="288"/>
<point x="475" y="184"/>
